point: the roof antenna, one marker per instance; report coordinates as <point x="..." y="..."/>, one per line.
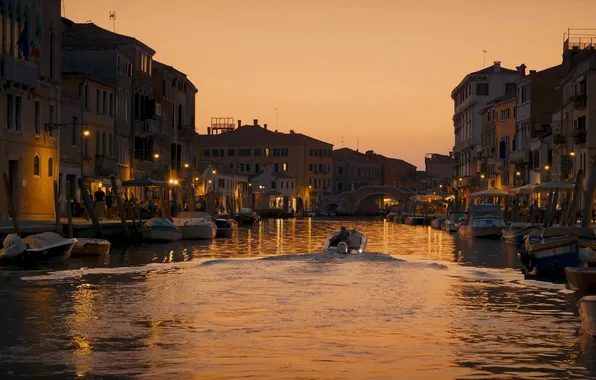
<point x="64" y="7"/>
<point x="113" y="18"/>
<point x="484" y="61"/>
<point x="357" y="145"/>
<point x="276" y="118"/>
<point x="342" y="141"/>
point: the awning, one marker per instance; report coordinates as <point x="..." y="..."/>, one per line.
<point x="525" y="189"/>
<point x="553" y="186"/>
<point x="104" y="181"/>
<point x="144" y="182"/>
<point x="489" y="193"/>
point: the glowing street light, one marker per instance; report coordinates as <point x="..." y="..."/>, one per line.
<point x="156" y="156"/>
<point x="86" y="132"/>
<point x="186" y="165"/>
<point x="482" y="176"/>
<point x="547" y="167"/>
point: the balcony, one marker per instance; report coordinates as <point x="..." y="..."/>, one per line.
<point x="20" y="72"/>
<point x="105" y="165"/>
<point x="580" y="101"/>
<point x="519" y="156"/>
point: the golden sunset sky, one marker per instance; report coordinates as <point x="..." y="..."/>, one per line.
<point x="380" y="71"/>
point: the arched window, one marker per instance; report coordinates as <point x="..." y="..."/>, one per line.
<point x="97" y="144"/>
<point x="51" y="167"/>
<point x="111" y="142"/>
<point x="103" y="144"/>
<point x="36" y="168"/>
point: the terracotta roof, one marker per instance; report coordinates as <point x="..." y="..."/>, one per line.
<point x="347" y="154"/>
<point x="159" y="66"/>
<point x="91" y="36"/>
<point x="249" y="135"/>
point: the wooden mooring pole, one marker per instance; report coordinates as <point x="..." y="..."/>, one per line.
<point x="10" y="201"/>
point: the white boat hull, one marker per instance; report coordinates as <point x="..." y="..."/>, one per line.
<point x="354" y="246"/>
<point x="160" y="235"/>
<point x="198" y="232"/>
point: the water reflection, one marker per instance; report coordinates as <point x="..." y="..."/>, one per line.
<point x="311" y="316"/>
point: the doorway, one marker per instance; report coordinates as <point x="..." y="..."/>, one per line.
<point x="13" y="179"/>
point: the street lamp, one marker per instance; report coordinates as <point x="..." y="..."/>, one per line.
<point x="156" y="156"/>
<point x="482" y="176"/>
<point x="186" y="165"/>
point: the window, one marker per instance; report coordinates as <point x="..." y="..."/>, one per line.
<point x="51" y="167"/>
<point x="509" y="88"/>
<point x="267" y="152"/>
<point x="18" y="113"/>
<point x="97" y="101"/>
<point x="340" y="170"/>
<point x="51" y="118"/>
<point x="505" y="179"/>
<point x="52" y="55"/>
<point x="284" y="152"/>
<point x="339" y="187"/>
<point x="103" y="144"/>
<point x="231" y="152"/>
<point x="9" y="112"/>
<point x="244" y="152"/>
<point x="523" y="94"/>
<point x="37" y="118"/>
<point x="129" y="69"/>
<point x="284" y="167"/>
<point x="275" y="152"/>
<point x="257" y="152"/>
<point x="206" y="153"/>
<point x="104" y="103"/>
<point x="276" y="167"/>
<point x="36" y="168"/>
<point x="87" y="97"/>
<point x="482" y="89"/>
<point x="247" y="167"/>
<point x="111" y="144"/>
<point x="257" y="168"/>
<point x="118" y="64"/>
<point x="73" y="140"/>
<point x="273" y="185"/>
<point x="111" y="104"/>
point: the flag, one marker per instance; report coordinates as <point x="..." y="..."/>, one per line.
<point x="23" y="42"/>
<point x="34" y="49"/>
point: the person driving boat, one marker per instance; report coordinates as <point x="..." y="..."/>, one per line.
<point x="343" y="235"/>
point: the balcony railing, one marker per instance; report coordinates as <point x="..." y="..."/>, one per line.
<point x="20" y="72"/>
<point x="105" y="165"/>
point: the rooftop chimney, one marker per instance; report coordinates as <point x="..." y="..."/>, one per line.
<point x="292" y="131"/>
<point x="521" y="69"/>
<point x="497" y="67"/>
<point x="265" y="126"/>
<point x="256" y="122"/>
<point x="239" y="123"/>
<point x="532" y="72"/>
<point x="370" y="152"/>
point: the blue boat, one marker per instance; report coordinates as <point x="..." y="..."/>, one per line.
<point x="548" y="252"/>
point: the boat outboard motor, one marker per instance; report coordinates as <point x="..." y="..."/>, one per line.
<point x="342" y="247"/>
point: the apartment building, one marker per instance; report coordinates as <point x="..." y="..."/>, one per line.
<point x="470" y="96"/>
<point x="353" y="170"/>
<point x="30" y="105"/>
<point x="247" y="149"/>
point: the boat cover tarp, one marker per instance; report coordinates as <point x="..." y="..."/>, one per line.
<point x="160" y="224"/>
<point x="43" y="239"/>
<point x="587" y="255"/>
<point x="13" y="246"/>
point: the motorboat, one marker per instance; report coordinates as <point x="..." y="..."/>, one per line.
<point x="225" y="225"/>
<point x="195" y="225"/>
<point x="587" y="313"/>
<point x="517" y="231"/>
<point x="583" y="278"/>
<point x="547" y="252"/>
<point x="38" y="247"/>
<point x="160" y="229"/>
<point x="437" y="223"/>
<point x="450" y="225"/>
<point x="247" y="216"/>
<point x="391" y="216"/>
<point x="483" y="221"/>
<point x="355" y="243"/>
<point x="90" y="247"/>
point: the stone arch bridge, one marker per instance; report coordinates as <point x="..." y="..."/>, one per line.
<point x="349" y="201"/>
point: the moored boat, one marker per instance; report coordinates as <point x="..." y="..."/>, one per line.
<point x="160" y="229"/>
<point x="195" y="225"/>
<point x="246" y="216"/>
<point x="46" y="246"/>
<point x="517" y="231"/>
<point x="437" y="223"/>
<point x="583" y="278"/>
<point x="587" y="313"/>
<point x="225" y="225"/>
<point x="415" y="220"/>
<point x="548" y="252"/>
<point x="90" y="247"/>
<point x="483" y="221"/>
<point x="450" y="225"/>
<point x="345" y="242"/>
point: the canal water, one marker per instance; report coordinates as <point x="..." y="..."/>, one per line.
<point x="265" y="305"/>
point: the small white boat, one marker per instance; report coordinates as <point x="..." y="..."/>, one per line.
<point x="90" y="247"/>
<point x="160" y="229"/>
<point x="354" y="242"/>
<point x="195" y="225"/>
<point x="437" y="223"/>
<point x="225" y="225"/>
<point x="43" y="246"/>
<point x="587" y="313"/>
<point x="484" y="221"/>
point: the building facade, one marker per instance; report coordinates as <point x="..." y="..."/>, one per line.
<point x="30" y="77"/>
<point x="272" y="188"/>
<point x="87" y="133"/>
<point x="246" y="150"/>
<point x="353" y="170"/>
<point x="470" y="96"/>
<point x="394" y="172"/>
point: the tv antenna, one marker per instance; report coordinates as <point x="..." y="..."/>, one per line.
<point x="64" y="7"/>
<point x="484" y="60"/>
<point x="342" y="141"/>
<point x="113" y="18"/>
<point x="276" y="118"/>
<point x="357" y="145"/>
